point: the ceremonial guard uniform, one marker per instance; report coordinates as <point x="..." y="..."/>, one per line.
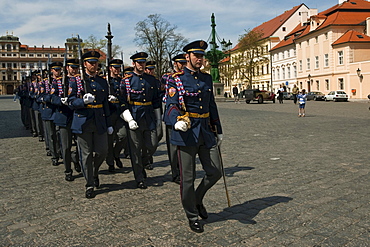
<point x="143" y="114"/>
<point x="118" y="140"/>
<point x="25" y="104"/>
<point x="179" y="62"/>
<point x="89" y="100"/>
<point x="192" y="111"/>
<point x="36" y="121"/>
<point x="63" y="118"/>
<point x="49" y="109"/>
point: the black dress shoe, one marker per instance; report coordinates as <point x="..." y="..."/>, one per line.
<point x="90" y="193"/>
<point x="196" y="226"/>
<point x="142" y="185"/>
<point x="148" y="167"/>
<point x="77" y="167"/>
<point x="96" y="182"/>
<point x="176" y="179"/>
<point x="41" y="139"/>
<point x="119" y="163"/>
<point x="48" y="153"/>
<point x="111" y="169"/>
<point x="55" y="162"/>
<point x="202" y="211"/>
<point x="69" y="177"/>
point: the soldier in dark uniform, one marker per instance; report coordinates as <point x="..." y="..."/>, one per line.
<point x="25" y="104"/>
<point x="36" y="121"/>
<point x="49" y="109"/>
<point x="147" y="158"/>
<point x="179" y="62"/>
<point x="118" y="139"/>
<point x="63" y="116"/>
<point x="143" y="114"/>
<point x="89" y="100"/>
<point x="192" y="111"/>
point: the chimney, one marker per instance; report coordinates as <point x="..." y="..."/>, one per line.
<point x="304" y="17"/>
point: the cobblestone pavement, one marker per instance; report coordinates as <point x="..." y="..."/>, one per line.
<point x="292" y="182"/>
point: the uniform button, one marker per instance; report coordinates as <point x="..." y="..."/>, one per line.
<point x="144" y="99"/>
<point x="94" y="90"/>
<point x="143" y="94"/>
<point x="199" y="91"/>
<point x="141" y="78"/>
<point x="103" y="114"/>
<point x="94" y="101"/>
<point x="103" y="90"/>
<point x="143" y="89"/>
<point x="200" y="99"/>
<point x="195" y="77"/>
<point x="142" y="84"/>
<point x="200" y="107"/>
<point x="187" y="91"/>
<point x="61" y="112"/>
<point x="198" y="84"/>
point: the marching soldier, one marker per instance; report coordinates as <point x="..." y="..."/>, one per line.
<point x="49" y="109"/>
<point x="36" y="121"/>
<point x="192" y="112"/>
<point x="179" y="62"/>
<point x="63" y="116"/>
<point x="143" y="114"/>
<point x="118" y="140"/>
<point x="89" y="99"/>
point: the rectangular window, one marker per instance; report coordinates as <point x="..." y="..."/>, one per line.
<point x="23" y="55"/>
<point x="288" y="71"/>
<point x="295" y="71"/>
<point x="341" y="84"/>
<point x="283" y="73"/>
<point x="14" y="54"/>
<point x="278" y="74"/>
<point x="340" y="57"/>
<point x="39" y="55"/>
<point x="326" y="36"/>
<point x="55" y="55"/>
<point x="308" y="64"/>
<point x="31" y="55"/>
<point x="317" y="39"/>
<point x="318" y="85"/>
<point x="316" y="62"/>
<point x="300" y="65"/>
<point x="14" y="65"/>
<point x="326" y="60"/>
<point x="23" y="65"/>
<point x="327" y="84"/>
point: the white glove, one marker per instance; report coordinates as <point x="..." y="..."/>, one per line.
<point x="181" y="125"/>
<point x="219" y="139"/>
<point x="88" y="98"/>
<point x="64" y="100"/>
<point x="126" y="115"/>
<point x="112" y="98"/>
<point x="110" y="130"/>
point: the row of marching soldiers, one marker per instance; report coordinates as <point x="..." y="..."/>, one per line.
<point x="93" y="115"/>
<point x="102" y="115"/>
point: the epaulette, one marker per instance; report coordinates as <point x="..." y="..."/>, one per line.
<point x="127" y="76"/>
<point x="178" y="73"/>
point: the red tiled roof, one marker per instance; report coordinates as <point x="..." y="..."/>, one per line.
<point x="226" y="59"/>
<point x="348" y="5"/>
<point x="352" y="36"/>
<point x="289" y="39"/>
<point x="268" y="28"/>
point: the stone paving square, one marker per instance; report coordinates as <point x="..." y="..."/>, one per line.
<point x="292" y="181"/>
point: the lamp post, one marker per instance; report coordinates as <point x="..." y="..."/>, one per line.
<point x="360" y="76"/>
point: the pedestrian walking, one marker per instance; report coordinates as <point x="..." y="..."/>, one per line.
<point x="295" y="91"/>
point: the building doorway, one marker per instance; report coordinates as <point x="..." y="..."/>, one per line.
<point x="9" y="89"/>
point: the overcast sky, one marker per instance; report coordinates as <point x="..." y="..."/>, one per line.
<point x="49" y="23"/>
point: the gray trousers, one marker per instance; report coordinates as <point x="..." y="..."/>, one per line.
<point x="138" y="138"/>
<point x="65" y="134"/>
<point x="89" y="142"/>
<point x="211" y="164"/>
<point x="172" y="153"/>
<point x="118" y="140"/>
<point x="36" y="123"/>
<point x="53" y="142"/>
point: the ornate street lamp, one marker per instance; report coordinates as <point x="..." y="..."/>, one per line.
<point x="309" y="77"/>
<point x="360" y="76"/>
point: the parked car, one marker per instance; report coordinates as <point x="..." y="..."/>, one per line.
<point x="258" y="95"/>
<point x="315" y="95"/>
<point x="336" y="96"/>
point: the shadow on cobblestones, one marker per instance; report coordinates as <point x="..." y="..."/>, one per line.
<point x="245" y="212"/>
